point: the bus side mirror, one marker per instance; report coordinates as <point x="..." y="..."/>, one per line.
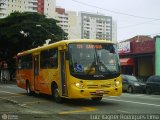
<point x="67" y="55"/>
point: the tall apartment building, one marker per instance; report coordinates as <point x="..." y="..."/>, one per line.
<point x="95" y="26"/>
<point x="86" y="25"/>
<point x="114" y="31"/>
<point x="68" y="21"/>
<point x="46" y="7"/>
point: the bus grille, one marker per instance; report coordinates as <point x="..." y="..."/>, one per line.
<point x="100" y="86"/>
<point x="100" y="94"/>
<point x="106" y="86"/>
<point x="92" y="86"/>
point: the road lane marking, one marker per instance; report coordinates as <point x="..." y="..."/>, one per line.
<point x="84" y="109"/>
<point x="16" y="96"/>
<point x="13" y="101"/>
<point x="151" y="97"/>
<point x="123" y="111"/>
<point x="34" y="102"/>
<point x="134" y="102"/>
<point x="10" y="92"/>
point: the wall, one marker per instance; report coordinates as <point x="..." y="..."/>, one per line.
<point x="145" y="66"/>
<point x="157" y="55"/>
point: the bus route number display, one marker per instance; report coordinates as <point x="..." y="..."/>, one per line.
<point x="89" y="46"/>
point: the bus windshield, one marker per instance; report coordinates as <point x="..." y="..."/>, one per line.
<point x="93" y="58"/>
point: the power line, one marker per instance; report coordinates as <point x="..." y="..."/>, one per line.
<point x="153" y="34"/>
<point x="133" y="25"/>
<point x="115" y="12"/>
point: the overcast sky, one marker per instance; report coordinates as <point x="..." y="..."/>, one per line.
<point x="133" y="17"/>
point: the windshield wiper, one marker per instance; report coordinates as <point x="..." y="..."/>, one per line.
<point x="93" y="65"/>
<point x="104" y="66"/>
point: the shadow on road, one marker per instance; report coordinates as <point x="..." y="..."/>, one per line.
<point x="75" y="102"/>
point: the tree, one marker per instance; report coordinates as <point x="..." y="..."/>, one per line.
<point x="18" y="32"/>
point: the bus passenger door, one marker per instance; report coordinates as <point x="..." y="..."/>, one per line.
<point x="36" y="72"/>
<point x="63" y="83"/>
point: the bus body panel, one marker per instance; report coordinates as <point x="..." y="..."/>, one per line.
<point x="22" y="76"/>
<point x="47" y="77"/>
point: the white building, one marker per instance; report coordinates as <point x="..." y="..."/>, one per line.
<point x="95" y="26"/>
<point x="114" y="31"/>
<point x="68" y="22"/>
<point x="46" y="7"/>
<point x="86" y="25"/>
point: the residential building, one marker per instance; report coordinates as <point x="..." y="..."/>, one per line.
<point x="95" y="26"/>
<point x="68" y="22"/>
<point x="86" y="25"/>
<point x="46" y="7"/>
<point x="114" y="31"/>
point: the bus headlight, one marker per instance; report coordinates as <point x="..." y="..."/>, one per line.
<point x="116" y="83"/>
<point x="79" y="85"/>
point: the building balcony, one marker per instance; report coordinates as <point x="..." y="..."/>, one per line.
<point x="99" y="30"/>
<point x="3" y="7"/>
<point x="63" y="15"/>
<point x="3" y="12"/>
<point x="32" y="9"/>
<point x="33" y="1"/>
<point x="32" y="5"/>
<point x="2" y="15"/>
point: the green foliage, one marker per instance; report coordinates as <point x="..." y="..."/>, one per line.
<point x="13" y="40"/>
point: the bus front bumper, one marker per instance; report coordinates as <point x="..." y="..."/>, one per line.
<point x="88" y="93"/>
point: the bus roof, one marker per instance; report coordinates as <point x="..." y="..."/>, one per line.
<point x="61" y="43"/>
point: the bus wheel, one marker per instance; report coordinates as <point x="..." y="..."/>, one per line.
<point x="96" y="99"/>
<point x="57" y="97"/>
<point x="28" y="89"/>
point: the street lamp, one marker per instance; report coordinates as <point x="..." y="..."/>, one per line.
<point x="48" y="40"/>
<point x="24" y="33"/>
<point x="45" y="29"/>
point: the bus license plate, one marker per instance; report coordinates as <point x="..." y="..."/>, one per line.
<point x="99" y="91"/>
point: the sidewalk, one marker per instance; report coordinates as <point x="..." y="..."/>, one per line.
<point x="7" y="82"/>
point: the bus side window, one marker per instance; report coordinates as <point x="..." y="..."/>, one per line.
<point x="49" y="59"/>
<point x="25" y="62"/>
<point x="53" y="56"/>
<point x="43" y="59"/>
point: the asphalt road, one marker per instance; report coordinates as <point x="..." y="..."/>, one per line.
<point x="14" y="104"/>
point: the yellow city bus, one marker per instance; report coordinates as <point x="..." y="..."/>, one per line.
<point x="71" y="69"/>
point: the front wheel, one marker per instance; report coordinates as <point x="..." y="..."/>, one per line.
<point x="96" y="99"/>
<point x="56" y="96"/>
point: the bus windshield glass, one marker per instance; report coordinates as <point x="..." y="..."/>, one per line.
<point x="93" y="58"/>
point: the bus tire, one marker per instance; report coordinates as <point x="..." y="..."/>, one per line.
<point x="56" y="96"/>
<point x="28" y="89"/>
<point x="96" y="99"/>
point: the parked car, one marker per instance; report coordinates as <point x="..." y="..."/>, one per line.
<point x="131" y="84"/>
<point x="153" y="84"/>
